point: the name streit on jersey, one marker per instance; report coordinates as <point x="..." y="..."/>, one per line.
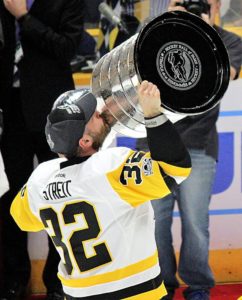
<point x="57" y="190"/>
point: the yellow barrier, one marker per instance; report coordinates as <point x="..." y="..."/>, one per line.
<point x="234" y="29"/>
<point x="93" y="32"/>
<point x="82" y="79"/>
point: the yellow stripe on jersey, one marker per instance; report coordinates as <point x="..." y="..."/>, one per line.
<point x="156" y="294"/>
<point x="22" y="214"/>
<point x="136" y="185"/>
<point x="119" y="274"/>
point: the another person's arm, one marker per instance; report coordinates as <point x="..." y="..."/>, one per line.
<point x="233" y="44"/>
<point x="62" y="44"/>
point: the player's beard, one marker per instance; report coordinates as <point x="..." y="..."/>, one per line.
<point x="99" y="137"/>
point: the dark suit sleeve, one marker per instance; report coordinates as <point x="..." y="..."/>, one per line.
<point x="61" y="43"/>
<point x="1" y="35"/>
<point x="6" y="55"/>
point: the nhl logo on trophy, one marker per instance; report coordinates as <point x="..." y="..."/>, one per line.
<point x="180" y="53"/>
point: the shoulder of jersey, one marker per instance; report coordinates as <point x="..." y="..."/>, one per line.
<point x="45" y="169"/>
<point x="110" y="158"/>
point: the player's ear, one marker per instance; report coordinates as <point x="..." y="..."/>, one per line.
<point x="86" y="142"/>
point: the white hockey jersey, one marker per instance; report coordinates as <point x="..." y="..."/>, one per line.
<point x="98" y="214"/>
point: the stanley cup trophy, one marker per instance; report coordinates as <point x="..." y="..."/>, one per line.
<point x="177" y="51"/>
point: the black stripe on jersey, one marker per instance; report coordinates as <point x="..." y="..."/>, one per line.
<point x="124" y="293"/>
<point x="170" y="182"/>
<point x="73" y="161"/>
<point x="165" y="145"/>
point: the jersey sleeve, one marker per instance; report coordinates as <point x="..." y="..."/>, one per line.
<point x="153" y="175"/>
<point x="22" y="214"/>
<point x="140" y="178"/>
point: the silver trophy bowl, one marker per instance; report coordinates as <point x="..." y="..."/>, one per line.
<point x="114" y="83"/>
<point x="177" y="51"/>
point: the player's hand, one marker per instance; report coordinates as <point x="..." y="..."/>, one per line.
<point x="206" y="18"/>
<point x="17" y="8"/>
<point x="173" y="5"/>
<point x="149" y="99"/>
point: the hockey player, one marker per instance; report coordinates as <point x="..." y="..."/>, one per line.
<point x="95" y="205"/>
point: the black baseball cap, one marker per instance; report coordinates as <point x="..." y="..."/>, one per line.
<point x="67" y="120"/>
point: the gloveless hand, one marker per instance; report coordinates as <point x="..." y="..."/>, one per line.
<point x="149" y="99"/>
<point x="173" y="5"/>
<point x="17" y="8"/>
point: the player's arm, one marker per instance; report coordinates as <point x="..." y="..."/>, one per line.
<point x="147" y="176"/>
<point x="22" y="214"/>
<point x="164" y="142"/>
